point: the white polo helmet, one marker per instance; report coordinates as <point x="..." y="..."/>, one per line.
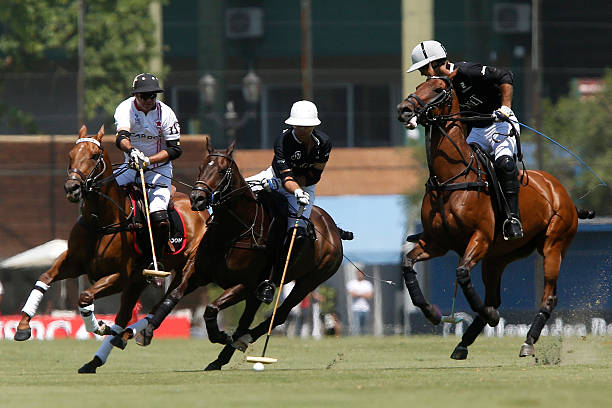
<point x="425" y="52"/>
<point x="303" y="113"/>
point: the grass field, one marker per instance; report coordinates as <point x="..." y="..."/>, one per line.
<point x="334" y="372"/>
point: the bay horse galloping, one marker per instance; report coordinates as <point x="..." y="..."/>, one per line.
<point x="238" y="251"/>
<point x="457" y="214"/>
<point x="102" y="244"/>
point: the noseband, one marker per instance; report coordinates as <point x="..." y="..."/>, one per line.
<point x="425" y="114"/>
<point x="217" y="194"/>
<point x="89" y="182"/>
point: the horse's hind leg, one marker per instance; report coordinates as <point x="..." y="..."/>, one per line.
<point x="491" y="276"/>
<point x="552" y="263"/>
<point x="421" y="252"/>
<point x="63" y="268"/>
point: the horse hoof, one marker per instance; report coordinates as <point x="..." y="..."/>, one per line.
<point x="433" y="314"/>
<point x="90" y="367"/>
<point x="22" y="335"/>
<point x="459" y="353"/>
<point x="214" y="366"/>
<point x="490" y="315"/>
<point x="145" y="336"/>
<point x="527" y="350"/>
<point x="118" y="342"/>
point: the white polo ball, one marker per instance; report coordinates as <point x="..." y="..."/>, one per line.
<point x="258" y="367"/>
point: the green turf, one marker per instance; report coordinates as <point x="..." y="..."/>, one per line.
<point x="334" y="372"/>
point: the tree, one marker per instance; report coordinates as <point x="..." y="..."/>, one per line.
<point x="583" y="126"/>
<point x="41" y="35"/>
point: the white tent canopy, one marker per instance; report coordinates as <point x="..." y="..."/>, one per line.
<point x="41" y="256"/>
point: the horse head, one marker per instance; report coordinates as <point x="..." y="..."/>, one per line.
<point x="86" y="165"/>
<point x="432" y="98"/>
<point x="215" y="178"/>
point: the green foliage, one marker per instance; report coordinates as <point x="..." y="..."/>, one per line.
<point x="583" y="126"/>
<point x="41" y="35"/>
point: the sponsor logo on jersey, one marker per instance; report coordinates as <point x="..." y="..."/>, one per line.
<point x="297" y="155"/>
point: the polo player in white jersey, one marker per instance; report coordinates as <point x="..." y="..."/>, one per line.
<point x="148" y="133"/>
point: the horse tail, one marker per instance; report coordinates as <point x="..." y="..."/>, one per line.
<point x="345" y="235"/>
<point x="585" y="214"/>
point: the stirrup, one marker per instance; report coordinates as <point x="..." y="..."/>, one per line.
<point x="265" y="292"/>
<point x="512" y="229"/>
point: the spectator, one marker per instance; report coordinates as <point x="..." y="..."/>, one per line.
<point x="361" y="292"/>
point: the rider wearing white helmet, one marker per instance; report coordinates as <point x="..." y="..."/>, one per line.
<point x="148" y="133"/>
<point x="485" y="90"/>
<point x="300" y="155"/>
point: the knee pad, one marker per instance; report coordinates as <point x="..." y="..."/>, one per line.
<point x="506" y="168"/>
<point x="159" y="216"/>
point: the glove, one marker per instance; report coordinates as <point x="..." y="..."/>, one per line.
<point x="502" y="113"/>
<point x="412" y="123"/>
<point x="270" y="184"/>
<point x="302" y="196"/>
<point x="138" y="160"/>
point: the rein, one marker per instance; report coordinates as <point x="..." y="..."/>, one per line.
<point x="220" y="196"/>
<point x="428" y="119"/>
<point x="93" y="182"/>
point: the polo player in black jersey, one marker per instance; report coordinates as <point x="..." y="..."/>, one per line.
<point x="483" y="89"/>
<point x="300" y="155"/>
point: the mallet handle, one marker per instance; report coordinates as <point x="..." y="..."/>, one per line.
<point x="146" y="203"/>
<point x="280" y="289"/>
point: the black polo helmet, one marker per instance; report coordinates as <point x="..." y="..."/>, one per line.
<point x="144" y="83"/>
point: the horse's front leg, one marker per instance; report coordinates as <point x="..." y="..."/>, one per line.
<point x="241" y="337"/>
<point x="475" y="251"/>
<point x="491" y="276"/>
<point x="421" y="252"/>
<point x="105" y="286"/>
<point x="228" y="298"/>
<point x="63" y="268"/>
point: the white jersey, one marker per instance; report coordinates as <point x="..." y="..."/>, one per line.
<point x="148" y="132"/>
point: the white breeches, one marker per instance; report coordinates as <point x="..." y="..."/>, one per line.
<point x="495" y="139"/>
<point x="159" y="196"/>
<point x="267" y="176"/>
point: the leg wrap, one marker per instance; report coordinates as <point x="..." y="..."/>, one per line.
<point x="89" y="319"/>
<point x="536" y="327"/>
<point x="163" y="310"/>
<point x="106" y="347"/>
<point x="463" y="277"/>
<point x="34" y="299"/>
<point x="472" y="332"/>
<point x="412" y="284"/>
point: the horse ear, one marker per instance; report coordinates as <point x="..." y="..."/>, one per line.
<point x="100" y="133"/>
<point x="230" y="149"/>
<point x="83" y="132"/>
<point x="207" y="145"/>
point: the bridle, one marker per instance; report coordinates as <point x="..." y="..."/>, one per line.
<point x="218" y="194"/>
<point x="222" y="194"/>
<point x="90" y="182"/>
<point x="424" y="111"/>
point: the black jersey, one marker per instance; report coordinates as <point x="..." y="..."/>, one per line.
<point x="290" y="154"/>
<point x="477" y="87"/>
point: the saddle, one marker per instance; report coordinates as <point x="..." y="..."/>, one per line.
<point x="177" y="241"/>
<point x="498" y="202"/>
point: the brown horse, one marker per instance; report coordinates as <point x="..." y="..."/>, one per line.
<point x="457" y="214"/>
<point x="236" y="254"/>
<point x="101" y="243"/>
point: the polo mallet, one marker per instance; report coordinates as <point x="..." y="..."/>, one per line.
<point x="155" y="271"/>
<point x="269" y="360"/>
<point x="451" y="318"/>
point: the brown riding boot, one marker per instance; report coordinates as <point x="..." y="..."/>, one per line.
<point x="160" y="226"/>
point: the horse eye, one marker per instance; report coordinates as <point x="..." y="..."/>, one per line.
<point x="438" y="90"/>
<point x="95" y="156"/>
